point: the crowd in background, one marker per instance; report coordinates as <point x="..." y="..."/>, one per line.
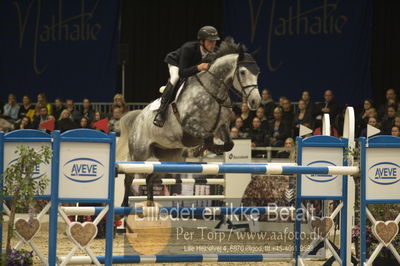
<point x="274" y="123"/>
<point x="66" y="116"/>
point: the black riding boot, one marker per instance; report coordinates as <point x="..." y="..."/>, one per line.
<point x="166" y="98"/>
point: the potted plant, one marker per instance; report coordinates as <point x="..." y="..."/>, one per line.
<point x="19" y="184"/>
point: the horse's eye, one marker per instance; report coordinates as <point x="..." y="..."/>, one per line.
<point x="242" y="72"/>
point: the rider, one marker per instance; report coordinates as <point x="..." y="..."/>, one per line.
<point x="185" y="62"/>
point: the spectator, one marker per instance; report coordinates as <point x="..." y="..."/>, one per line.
<point x="76" y="115"/>
<point x="268" y="104"/>
<point x="11" y="109"/>
<point x="327" y="107"/>
<point x="259" y="137"/>
<point x="84" y="123"/>
<point x="24" y="123"/>
<point x="333" y="131"/>
<point x="303" y="116"/>
<point x="311" y="107"/>
<point x="287" y="111"/>
<point x="65" y="121"/>
<point x="234" y="133"/>
<point x="119" y="102"/>
<point x="27" y="108"/>
<point x="278" y="129"/>
<point x="290" y="152"/>
<point x="372" y="121"/>
<point x="260" y="113"/>
<point x="87" y="110"/>
<point x="397" y="121"/>
<point x="42" y="101"/>
<point x="58" y="107"/>
<point x="388" y="120"/>
<point x="243" y="132"/>
<point x="246" y="116"/>
<point x="42" y="117"/>
<point x="391" y="98"/>
<point x="113" y="124"/>
<point x="395" y="131"/>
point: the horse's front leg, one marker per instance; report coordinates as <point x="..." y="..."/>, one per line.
<point x="127" y="184"/>
<point x="224" y="133"/>
<point x="196" y="129"/>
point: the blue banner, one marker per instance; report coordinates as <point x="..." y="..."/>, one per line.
<point x="307" y="45"/>
<point x="63" y="48"/>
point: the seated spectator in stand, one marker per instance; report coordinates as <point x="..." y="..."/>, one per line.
<point x="24" y="123"/>
<point x="388" y="120"/>
<point x="268" y="104"/>
<point x="11" y="109"/>
<point x="290" y="152"/>
<point x="391" y="98"/>
<point x="362" y="116"/>
<point x="260" y="114"/>
<point x="113" y="124"/>
<point x="303" y="116"/>
<point x="259" y="137"/>
<point x="39" y="119"/>
<point x="26" y="108"/>
<point x="58" y="107"/>
<point x="287" y="111"/>
<point x="119" y="102"/>
<point x="278" y="129"/>
<point x="87" y="110"/>
<point x="84" y="123"/>
<point x="246" y="115"/>
<point x="75" y="114"/>
<point x="234" y="133"/>
<point x="327" y="107"/>
<point x="65" y="121"/>
<point x="372" y="121"/>
<point x="42" y="101"/>
<point x="311" y="106"/>
<point x="243" y="132"/>
<point x="397" y="121"/>
<point x="97" y="117"/>
<point x="395" y="131"/>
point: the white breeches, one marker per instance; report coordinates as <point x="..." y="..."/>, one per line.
<point x="173" y="74"/>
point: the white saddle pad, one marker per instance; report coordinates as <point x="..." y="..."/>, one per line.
<point x="156" y="104"/>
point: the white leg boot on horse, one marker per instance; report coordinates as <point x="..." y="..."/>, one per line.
<point x="166" y="98"/>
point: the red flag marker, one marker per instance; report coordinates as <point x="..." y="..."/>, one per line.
<point x="102" y="124"/>
<point x="49" y="125"/>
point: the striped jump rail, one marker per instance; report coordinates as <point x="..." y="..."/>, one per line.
<point x="235" y="168"/>
<point x="175" y="181"/>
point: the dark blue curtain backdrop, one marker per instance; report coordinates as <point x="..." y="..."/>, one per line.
<point x="62" y="48"/>
<point x="313" y="45"/>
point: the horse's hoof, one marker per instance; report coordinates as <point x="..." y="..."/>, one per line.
<point x="228" y="146"/>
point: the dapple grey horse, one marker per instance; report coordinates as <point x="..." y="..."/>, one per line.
<point x="202" y="110"/>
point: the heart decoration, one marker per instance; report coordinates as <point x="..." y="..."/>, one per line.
<point x="322" y="226"/>
<point x="82" y="233"/>
<point x="385" y="232"/>
<point x="27" y="230"/>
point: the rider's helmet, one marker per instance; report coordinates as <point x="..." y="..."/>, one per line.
<point x="208" y="33"/>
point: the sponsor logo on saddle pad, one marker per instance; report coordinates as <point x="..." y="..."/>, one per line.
<point x="38" y="171"/>
<point x="384" y="173"/>
<point x="83" y="170"/>
<point x="322" y="178"/>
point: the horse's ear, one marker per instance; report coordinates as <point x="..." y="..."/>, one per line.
<point x="255" y="53"/>
<point x="241" y="52"/>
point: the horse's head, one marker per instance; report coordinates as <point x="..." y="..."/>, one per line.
<point x="245" y="79"/>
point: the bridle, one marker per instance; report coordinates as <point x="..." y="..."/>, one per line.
<point x="221" y="101"/>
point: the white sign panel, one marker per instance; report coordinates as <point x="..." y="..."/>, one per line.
<point x="319" y="184"/>
<point x="235" y="184"/>
<point x="40" y="171"/>
<point x="382" y="173"/>
<point x="84" y="170"/>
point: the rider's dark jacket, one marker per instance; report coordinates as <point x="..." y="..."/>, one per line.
<point x="186" y="59"/>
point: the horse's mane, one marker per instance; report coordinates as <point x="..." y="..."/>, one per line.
<point x="228" y="46"/>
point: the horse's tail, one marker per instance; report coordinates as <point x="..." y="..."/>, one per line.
<point x="125" y="123"/>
